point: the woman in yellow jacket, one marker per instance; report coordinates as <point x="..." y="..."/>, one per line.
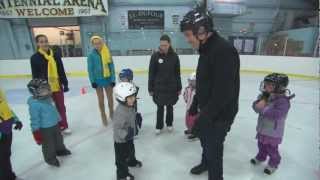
<point x="102" y="74"/>
<point x="7" y="120"/>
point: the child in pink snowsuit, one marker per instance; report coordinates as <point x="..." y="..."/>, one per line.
<point x="188" y="96"/>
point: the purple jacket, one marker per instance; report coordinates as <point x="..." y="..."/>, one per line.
<point x="271" y="121"/>
<point x="6" y="126"/>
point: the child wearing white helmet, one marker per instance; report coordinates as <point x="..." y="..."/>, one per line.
<point x="188" y="95"/>
<point x="124" y="127"/>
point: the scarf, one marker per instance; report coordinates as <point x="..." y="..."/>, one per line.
<point x="5" y="111"/>
<point x="105" y="57"/>
<point x="53" y="77"/>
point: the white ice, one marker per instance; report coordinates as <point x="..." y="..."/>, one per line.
<point x="168" y="156"/>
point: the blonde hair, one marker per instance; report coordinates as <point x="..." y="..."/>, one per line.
<point x="95" y="37"/>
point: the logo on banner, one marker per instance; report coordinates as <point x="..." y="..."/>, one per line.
<point x="52" y="8"/>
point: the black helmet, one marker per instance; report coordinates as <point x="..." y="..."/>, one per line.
<point x="195" y="19"/>
<point x="280" y="82"/>
<point x="39" y="88"/>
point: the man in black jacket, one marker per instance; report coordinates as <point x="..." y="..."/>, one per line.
<point x="217" y="89"/>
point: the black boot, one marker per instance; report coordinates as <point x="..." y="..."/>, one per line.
<point x="128" y="177"/>
<point x="135" y="163"/>
<point x="54" y="162"/>
<point x="187" y="132"/>
<point x="192" y="137"/>
<point x="65" y="152"/>
<point x="199" y="169"/>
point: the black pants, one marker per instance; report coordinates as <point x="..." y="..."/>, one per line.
<point x="6" y="172"/>
<point x="124" y="154"/>
<point x="160" y="115"/>
<point x="212" y="139"/>
<point x="52" y="142"/>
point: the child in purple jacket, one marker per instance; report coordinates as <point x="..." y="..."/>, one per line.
<point x="272" y="106"/>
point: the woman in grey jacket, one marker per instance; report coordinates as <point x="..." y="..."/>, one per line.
<point x="124" y="127"/>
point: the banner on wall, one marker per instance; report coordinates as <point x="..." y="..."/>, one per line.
<point x="145" y="19"/>
<point x="52" y="8"/>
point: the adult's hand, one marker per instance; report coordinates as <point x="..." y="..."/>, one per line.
<point x="66" y="89"/>
<point x="151" y="93"/>
<point x="94" y="85"/>
<point x="18" y="125"/>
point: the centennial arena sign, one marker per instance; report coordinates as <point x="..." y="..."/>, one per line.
<point x="52" y="8"/>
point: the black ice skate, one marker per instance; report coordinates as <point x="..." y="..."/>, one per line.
<point x="128" y="177"/>
<point x="269" y="170"/>
<point x="192" y="137"/>
<point x="54" y="162"/>
<point x="199" y="169"/>
<point x="65" y="152"/>
<point x="135" y="163"/>
<point x="255" y="161"/>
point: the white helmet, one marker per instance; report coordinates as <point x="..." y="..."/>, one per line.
<point x="192" y="77"/>
<point x="124" y="90"/>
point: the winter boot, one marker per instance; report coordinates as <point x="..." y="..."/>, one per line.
<point x="65" y="152"/>
<point x="199" y="169"/>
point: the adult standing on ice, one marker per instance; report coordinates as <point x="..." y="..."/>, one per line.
<point x="102" y="74"/>
<point x="47" y="64"/>
<point x="164" y="82"/>
<point x="217" y="89"/>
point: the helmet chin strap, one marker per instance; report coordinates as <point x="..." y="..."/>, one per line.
<point x="208" y="34"/>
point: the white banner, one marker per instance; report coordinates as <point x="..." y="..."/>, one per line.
<point x="52" y="8"/>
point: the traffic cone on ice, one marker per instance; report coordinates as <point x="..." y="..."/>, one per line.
<point x="83" y="91"/>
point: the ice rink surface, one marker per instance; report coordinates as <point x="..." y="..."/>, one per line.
<point x="168" y="156"/>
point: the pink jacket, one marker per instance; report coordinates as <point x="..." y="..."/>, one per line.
<point x="188" y="95"/>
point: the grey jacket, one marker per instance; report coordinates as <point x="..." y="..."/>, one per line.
<point x="124" y="120"/>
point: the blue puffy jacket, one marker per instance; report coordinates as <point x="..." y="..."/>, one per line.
<point x="95" y="70"/>
<point x="43" y="113"/>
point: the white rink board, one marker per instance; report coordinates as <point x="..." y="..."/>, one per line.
<point x="305" y="66"/>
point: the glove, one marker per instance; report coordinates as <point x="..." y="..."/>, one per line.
<point x="65" y="88"/>
<point x="113" y="84"/>
<point x="130" y="134"/>
<point x="195" y="130"/>
<point x="18" y="125"/>
<point x="193" y="110"/>
<point x="139" y="120"/>
<point x="37" y="137"/>
<point x="94" y="85"/>
<point x="201" y="122"/>
<point x="265" y="96"/>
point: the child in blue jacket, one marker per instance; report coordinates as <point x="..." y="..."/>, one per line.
<point x="44" y="122"/>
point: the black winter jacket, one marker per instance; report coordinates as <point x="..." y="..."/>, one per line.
<point x="164" y="78"/>
<point x="39" y="68"/>
<point x="218" y="80"/>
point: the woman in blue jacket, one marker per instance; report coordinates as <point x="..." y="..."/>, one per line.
<point x="102" y="74"/>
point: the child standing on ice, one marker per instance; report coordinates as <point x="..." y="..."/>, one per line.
<point x="124" y="128"/>
<point x="126" y="75"/>
<point x="188" y="95"/>
<point x="44" y="122"/>
<point x="7" y="120"/>
<point x="272" y="106"/>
